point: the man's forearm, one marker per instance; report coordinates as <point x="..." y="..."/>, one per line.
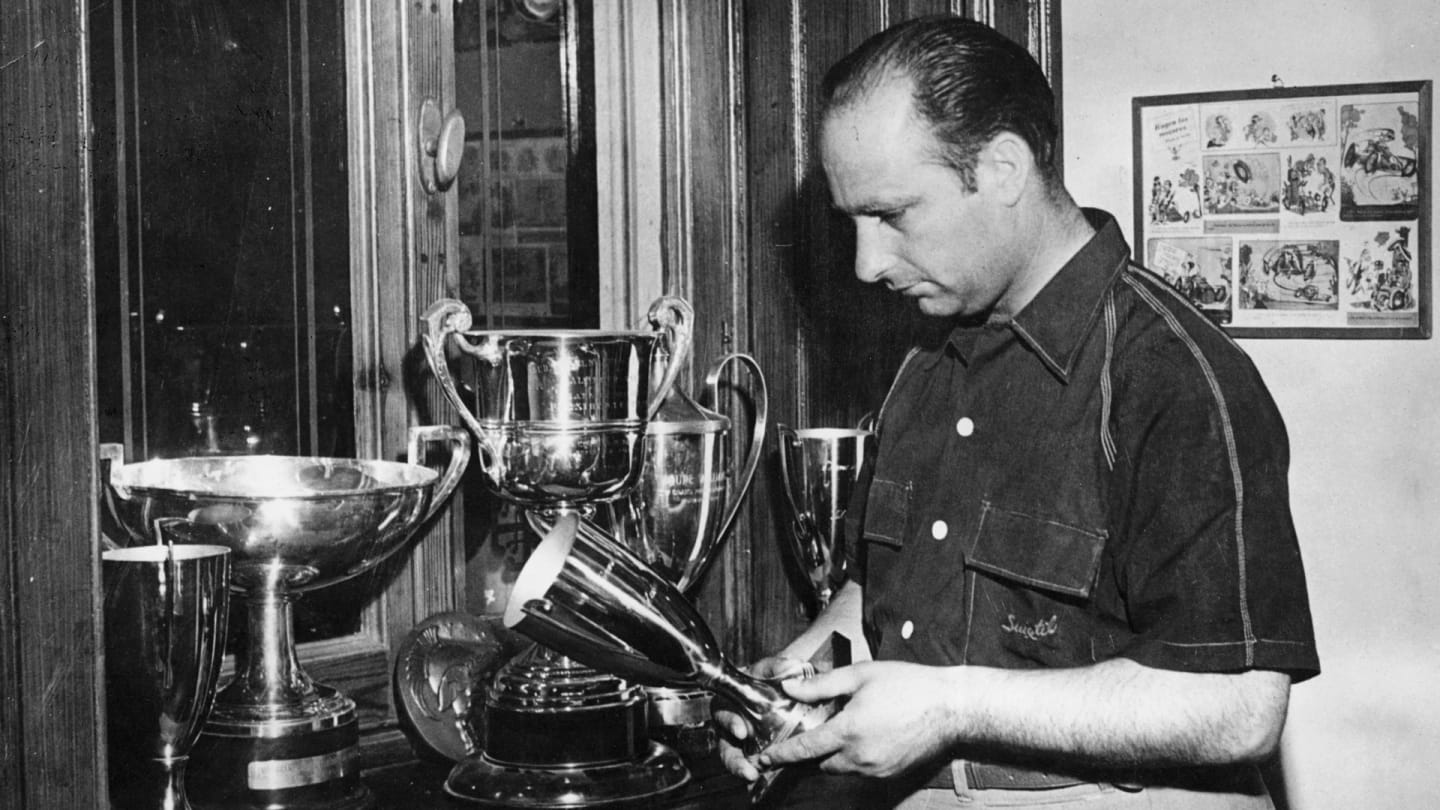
<point x="841" y="616"/>
<point x="1121" y="713"/>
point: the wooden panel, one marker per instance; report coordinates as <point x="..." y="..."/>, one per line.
<point x="51" y="692"/>
<point x="703" y="235"/>
<point x="403" y="258"/>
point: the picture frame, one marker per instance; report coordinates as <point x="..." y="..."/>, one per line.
<point x="1297" y="212"/>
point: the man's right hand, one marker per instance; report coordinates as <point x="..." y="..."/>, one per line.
<point x="735" y="732"/>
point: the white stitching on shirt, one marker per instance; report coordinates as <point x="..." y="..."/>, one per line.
<point x="1040" y="350"/>
<point x="1107" y="441"/>
<point x="1134" y="280"/>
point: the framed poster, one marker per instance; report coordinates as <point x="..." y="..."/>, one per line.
<point x="1292" y="212"/>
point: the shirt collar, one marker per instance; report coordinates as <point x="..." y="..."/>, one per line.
<point x="1057" y="319"/>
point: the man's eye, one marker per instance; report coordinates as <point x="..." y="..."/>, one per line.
<point x="890" y="217"/>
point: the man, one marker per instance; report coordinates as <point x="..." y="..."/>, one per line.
<point x="1077" y="569"/>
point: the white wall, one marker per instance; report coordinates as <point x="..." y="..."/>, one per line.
<point x="1364" y="416"/>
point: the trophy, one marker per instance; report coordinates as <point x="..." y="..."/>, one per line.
<point x="165" y="612"/>
<point x="560" y="422"/>
<point x="277" y="739"/>
<point x="680" y="512"/>
<point x="821" y="467"/>
<point x="584" y="593"/>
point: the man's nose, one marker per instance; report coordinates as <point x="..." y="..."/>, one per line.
<point x="872" y="257"/>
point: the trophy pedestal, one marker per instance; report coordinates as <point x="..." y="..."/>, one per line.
<point x="311" y="762"/>
<point x="559" y="734"/>
<point x="681" y="719"/>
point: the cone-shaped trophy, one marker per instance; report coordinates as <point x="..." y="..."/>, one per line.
<point x="821" y="467"/>
<point x="276" y="739"/>
<point x="559" y="417"/>
<point x="585" y="594"/>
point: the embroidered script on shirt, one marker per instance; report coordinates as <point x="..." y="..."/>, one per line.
<point x="1034" y="632"/>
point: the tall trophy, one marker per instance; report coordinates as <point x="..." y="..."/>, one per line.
<point x="560" y="422"/>
<point x="584" y="593"/>
<point x="680" y="512"/>
<point x="165" y="613"/>
<point x="821" y="467"/>
<point x="277" y="739"/>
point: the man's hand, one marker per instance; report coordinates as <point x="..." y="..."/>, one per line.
<point x="897" y="716"/>
<point x="734" y="731"/>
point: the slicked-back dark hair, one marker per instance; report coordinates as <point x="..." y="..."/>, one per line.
<point x="970" y="83"/>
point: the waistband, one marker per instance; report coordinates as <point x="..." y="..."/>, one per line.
<point x="993" y="776"/>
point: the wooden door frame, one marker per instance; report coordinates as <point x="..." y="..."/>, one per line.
<point x="52" y="743"/>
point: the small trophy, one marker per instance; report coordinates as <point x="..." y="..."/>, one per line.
<point x="165" y="616"/>
<point x="821" y="467"/>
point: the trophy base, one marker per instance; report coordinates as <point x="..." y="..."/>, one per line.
<point x="486" y="782"/>
<point x="680" y="718"/>
<point x="560" y="734"/>
<point x="308" y="763"/>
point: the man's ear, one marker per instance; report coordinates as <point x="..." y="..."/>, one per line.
<point x="1009" y="165"/>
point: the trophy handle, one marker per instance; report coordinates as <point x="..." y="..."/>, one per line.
<point x="674" y="317"/>
<point x="444" y="318"/>
<point x="459" y="442"/>
<point x="757" y="436"/>
<point x="786" y="436"/>
<point x="112" y="455"/>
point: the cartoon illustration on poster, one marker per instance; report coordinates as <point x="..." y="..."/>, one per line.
<point x="1291" y="274"/>
<point x="1198" y="267"/>
<point x="1219" y="124"/>
<point x="1242" y="184"/>
<point x="1380" y="161"/>
<point x="1175" y="198"/>
<point x="1260" y="129"/>
<point x="1309" y="184"/>
<point x="1308" y="122"/>
<point x="1174" y="193"/>
<point x="1379" y="277"/>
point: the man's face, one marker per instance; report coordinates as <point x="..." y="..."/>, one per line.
<point x="917" y="229"/>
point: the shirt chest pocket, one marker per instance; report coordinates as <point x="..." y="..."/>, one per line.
<point x="1032" y="577"/>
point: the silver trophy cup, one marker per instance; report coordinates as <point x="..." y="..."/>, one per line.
<point x="821" y="467"/>
<point x="560" y="422"/>
<point x="276" y="738"/>
<point x="165" y="619"/>
<point x="683" y="507"/>
<point x="558" y="416"/>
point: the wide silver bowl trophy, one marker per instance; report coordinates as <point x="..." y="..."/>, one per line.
<point x="165" y="617"/>
<point x="277" y="739"/>
<point x="821" y="467"/>
<point x="560" y="421"/>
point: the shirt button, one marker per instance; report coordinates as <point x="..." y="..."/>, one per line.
<point x="907" y="629"/>
<point x="965" y="426"/>
<point x="939" y="529"/>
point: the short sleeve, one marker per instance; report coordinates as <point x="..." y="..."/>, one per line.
<point x="1209" y="562"/>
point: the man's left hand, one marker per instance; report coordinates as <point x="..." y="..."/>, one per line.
<point x="897" y="716"/>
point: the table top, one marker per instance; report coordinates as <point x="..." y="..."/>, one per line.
<point x="420" y="784"/>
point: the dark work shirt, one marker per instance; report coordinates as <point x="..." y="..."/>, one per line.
<point x="1104" y="475"/>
